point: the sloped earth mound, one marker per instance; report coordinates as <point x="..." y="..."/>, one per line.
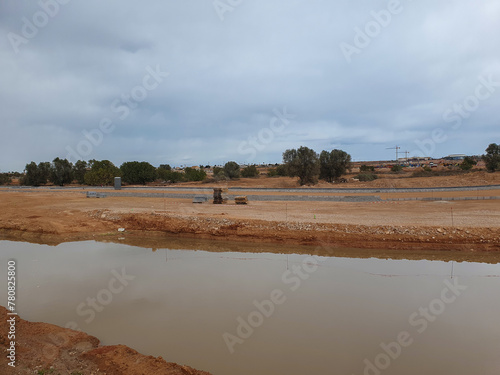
<point x="43" y="348"/>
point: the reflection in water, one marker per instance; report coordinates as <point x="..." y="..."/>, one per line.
<point x="302" y="314"/>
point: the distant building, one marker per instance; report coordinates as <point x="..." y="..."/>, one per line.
<point x="455" y="157"/>
<point x="419" y="158"/>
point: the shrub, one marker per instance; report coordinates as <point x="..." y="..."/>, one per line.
<point x="232" y="170"/>
<point x="192" y="174"/>
<point x="138" y="173"/>
<point x="423" y="172"/>
<point x="396" y="168"/>
<point x="367" y="168"/>
<point x="467" y="164"/>
<point x="4" y="179"/>
<point x="281" y="170"/>
<point x="170" y="176"/>
<point x="366" y="177"/>
<point x="218" y="172"/>
<point x="250" y="171"/>
<point x="272" y="172"/>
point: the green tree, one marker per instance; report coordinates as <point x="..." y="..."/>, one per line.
<point x="44" y="170"/>
<point x="61" y="172"/>
<point x="219" y="174"/>
<point x="492" y="157"/>
<point x="193" y="174"/>
<point x="36" y="175"/>
<point x="101" y="173"/>
<point x="281" y="170"/>
<point x="232" y="170"/>
<point x="250" y="171"/>
<point x="79" y="170"/>
<point x="169" y="176"/>
<point x="165" y="166"/>
<point x="176" y="176"/>
<point x="302" y="163"/>
<point x="4" y="179"/>
<point x="333" y="164"/>
<point x="138" y="173"/>
<point x="467" y="163"/>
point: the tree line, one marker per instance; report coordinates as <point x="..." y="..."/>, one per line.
<point x="303" y="163"/>
<point x="102" y="172"/>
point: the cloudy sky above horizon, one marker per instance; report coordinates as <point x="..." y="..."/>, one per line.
<point x="203" y="82"/>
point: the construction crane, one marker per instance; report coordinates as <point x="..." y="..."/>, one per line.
<point x="397" y="148"/>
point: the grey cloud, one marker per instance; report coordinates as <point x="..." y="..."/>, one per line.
<point x="227" y="77"/>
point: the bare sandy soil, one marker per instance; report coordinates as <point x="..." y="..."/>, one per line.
<point x="43" y="348"/>
<point x="447" y="225"/>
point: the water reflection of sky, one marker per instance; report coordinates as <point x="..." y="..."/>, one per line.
<point x="182" y="301"/>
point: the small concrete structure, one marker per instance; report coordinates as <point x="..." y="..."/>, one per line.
<point x="94" y="194"/>
<point x="200" y="199"/>
<point x="118" y="183"/>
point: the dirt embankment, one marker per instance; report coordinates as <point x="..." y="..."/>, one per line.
<point x="321" y="235"/>
<point x="46" y="348"/>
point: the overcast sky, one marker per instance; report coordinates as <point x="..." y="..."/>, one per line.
<point x="201" y="82"/>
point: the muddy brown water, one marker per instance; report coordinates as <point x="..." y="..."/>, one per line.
<point x="233" y="312"/>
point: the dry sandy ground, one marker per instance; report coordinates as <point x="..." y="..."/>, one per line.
<point x="49" y="349"/>
<point x="448" y="225"/>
